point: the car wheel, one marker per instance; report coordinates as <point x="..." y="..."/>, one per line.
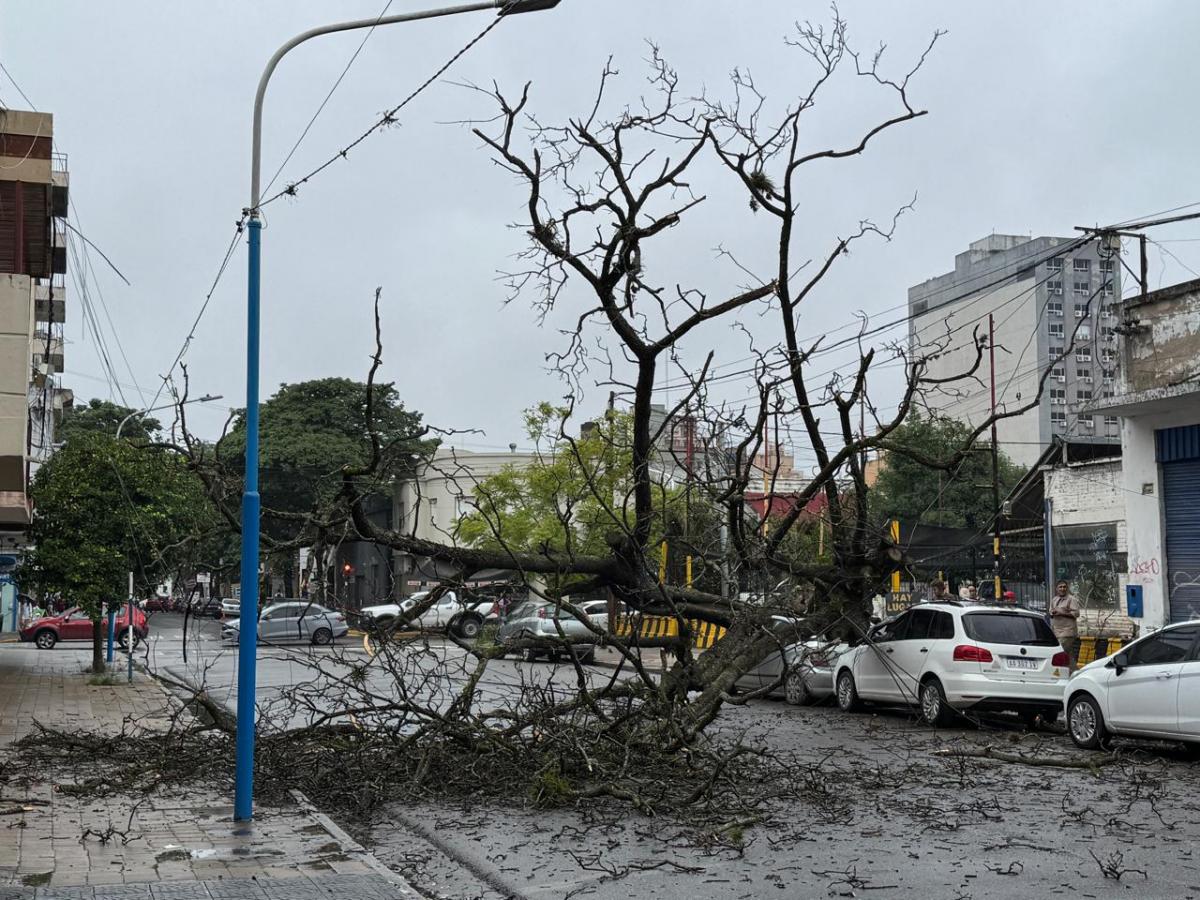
<point x="1191" y="749"/>
<point x="469" y="628"/>
<point x="129" y="639"/>
<point x="1085" y="723"/>
<point x="847" y="693"/>
<point x="934" y="709"/>
<point x="322" y="636"/>
<point x="46" y="640"/>
<point x="529" y="655"/>
<point x="795" y="690"/>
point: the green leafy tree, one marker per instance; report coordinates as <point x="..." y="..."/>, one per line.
<point x="308" y="431"/>
<point x="961" y="497"/>
<point x="578" y="494"/>
<point x="104" y="417"/>
<point x="104" y="508"/>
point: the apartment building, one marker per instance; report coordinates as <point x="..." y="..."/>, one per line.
<point x="1037" y="291"/>
<point x="33" y="264"/>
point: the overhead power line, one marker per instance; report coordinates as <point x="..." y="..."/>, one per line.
<point x="387" y="119"/>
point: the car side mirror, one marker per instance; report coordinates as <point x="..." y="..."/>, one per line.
<point x="1119" y="663"/>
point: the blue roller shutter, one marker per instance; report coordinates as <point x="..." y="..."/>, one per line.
<point x="1178" y="451"/>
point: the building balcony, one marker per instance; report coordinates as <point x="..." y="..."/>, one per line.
<point x="47" y="310"/>
<point x="47" y="355"/>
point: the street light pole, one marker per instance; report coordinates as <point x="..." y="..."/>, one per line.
<point x="243" y="803"/>
<point x="112" y="613"/>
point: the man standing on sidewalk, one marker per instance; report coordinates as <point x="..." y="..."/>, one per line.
<point x="1064" y="619"/>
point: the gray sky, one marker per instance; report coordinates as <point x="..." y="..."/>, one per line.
<point x="1042" y="117"/>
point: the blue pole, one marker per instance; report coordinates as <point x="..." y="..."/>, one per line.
<point x="112" y="632"/>
<point x="243" y="803"/>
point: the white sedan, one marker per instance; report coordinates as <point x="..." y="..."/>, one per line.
<point x="297" y="620"/>
<point x="802" y="672"/>
<point x="1149" y="689"/>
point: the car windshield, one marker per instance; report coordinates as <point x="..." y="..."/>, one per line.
<point x="1009" y="628"/>
<point x="529" y="608"/>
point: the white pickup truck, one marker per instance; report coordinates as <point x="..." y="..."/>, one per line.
<point x="447" y="614"/>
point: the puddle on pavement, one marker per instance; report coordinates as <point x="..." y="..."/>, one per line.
<point x="182" y="854"/>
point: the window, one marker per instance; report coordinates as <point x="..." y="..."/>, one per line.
<point x="1058" y="373"/>
<point x="1087" y="422"/>
<point x="1084" y="333"/>
<point x="1009" y="628"/>
<point x="1058" y="419"/>
<point x="1083" y="395"/>
<point x="1058" y="396"/>
<point x="1054" y="265"/>
<point x="1082" y="265"/>
<point x="1108" y="289"/>
<point x="1083" y="354"/>
<point x="1082" y="287"/>
<point x="1080" y="310"/>
<point x="1056" y="329"/>
<point x="896" y="630"/>
<point x="1169" y="646"/>
<point x="1106" y="266"/>
<point x="920" y="306"/>
<point x="1108" y="332"/>
<point x="1108" y="356"/>
<point x="1107" y="393"/>
<point x="1111" y="420"/>
<point x="1084" y="375"/>
<point x="1054" y="287"/>
<point x="1055" y="307"/>
<point x="1109" y="309"/>
<point x="1056" y="351"/>
<point x="920" y="621"/>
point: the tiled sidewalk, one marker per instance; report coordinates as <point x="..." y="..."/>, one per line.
<point x="178" y="845"/>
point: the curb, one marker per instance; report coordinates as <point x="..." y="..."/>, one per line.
<point x="351" y="847"/>
<point x="481" y="869"/>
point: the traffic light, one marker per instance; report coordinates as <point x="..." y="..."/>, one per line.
<point x="347" y="570"/>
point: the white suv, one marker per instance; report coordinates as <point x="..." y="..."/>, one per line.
<point x="942" y="657"/>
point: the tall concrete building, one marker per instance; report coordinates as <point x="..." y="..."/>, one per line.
<point x="33" y="263"/>
<point x="1037" y="290"/>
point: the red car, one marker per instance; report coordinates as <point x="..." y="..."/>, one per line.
<point x="76" y="625"/>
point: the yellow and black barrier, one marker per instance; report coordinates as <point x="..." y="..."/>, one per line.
<point x="649" y="628"/>
<point x="1094" y="648"/>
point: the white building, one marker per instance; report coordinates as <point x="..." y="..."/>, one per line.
<point x="1158" y="403"/>
<point x="1037" y="290"/>
<point x="430" y="506"/>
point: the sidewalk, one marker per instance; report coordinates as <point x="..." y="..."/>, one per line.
<point x="177" y="845"/>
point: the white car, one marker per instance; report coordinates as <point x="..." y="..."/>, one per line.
<point x="231" y="608"/>
<point x="948" y="656"/>
<point x="293" y="620"/>
<point x="447" y="614"/>
<point x="1149" y="689"/>
<point x="802" y="672"/>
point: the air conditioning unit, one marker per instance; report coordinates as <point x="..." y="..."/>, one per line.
<point x="1058" y="401"/>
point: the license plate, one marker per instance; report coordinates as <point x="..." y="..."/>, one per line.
<point x="1021" y="662"/>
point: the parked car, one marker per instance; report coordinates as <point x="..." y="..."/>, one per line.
<point x="293" y="620"/>
<point x="948" y="656"/>
<point x="1151" y="689"/>
<point x="208" y="609"/>
<point x="231" y="608"/>
<point x="76" y="625"/>
<point x="801" y="673"/>
<point x="158" y="604"/>
<point x="465" y="619"/>
<point x="538" y="628"/>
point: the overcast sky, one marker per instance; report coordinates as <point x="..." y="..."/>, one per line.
<point x="1042" y="117"/>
